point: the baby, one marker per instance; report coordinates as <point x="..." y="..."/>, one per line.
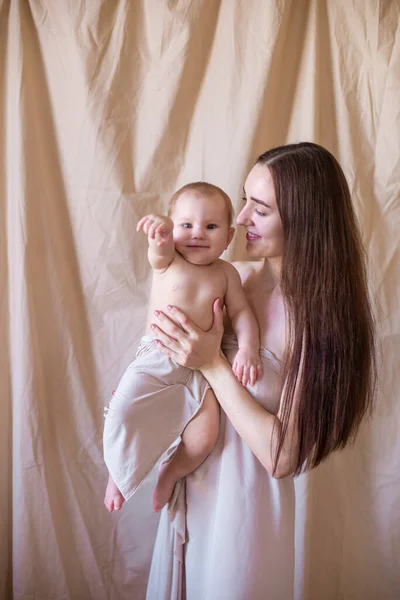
<point x="157" y="400"/>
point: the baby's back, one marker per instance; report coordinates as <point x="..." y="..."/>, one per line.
<point x="192" y="288"/>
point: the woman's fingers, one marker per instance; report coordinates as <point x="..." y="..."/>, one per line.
<point x="192" y="346"/>
<point x="170" y="334"/>
<point x="177" y="322"/>
<point x="166" y="351"/>
<point x="218" y="322"/>
<point x="169" y="346"/>
<point x="167" y="340"/>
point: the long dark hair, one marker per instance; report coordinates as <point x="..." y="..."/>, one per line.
<point x="330" y="362"/>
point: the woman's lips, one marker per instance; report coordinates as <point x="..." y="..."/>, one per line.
<point x="252" y="237"/>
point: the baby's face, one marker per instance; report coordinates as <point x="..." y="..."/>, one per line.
<point x="201" y="227"/>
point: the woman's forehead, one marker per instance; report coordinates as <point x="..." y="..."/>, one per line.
<point x="259" y="175"/>
<point x="259" y="183"/>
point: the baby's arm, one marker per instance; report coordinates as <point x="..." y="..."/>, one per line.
<point x="161" y="242"/>
<point x="247" y="363"/>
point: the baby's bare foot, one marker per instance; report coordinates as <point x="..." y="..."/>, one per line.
<point x="113" y="499"/>
<point x="164" y="488"/>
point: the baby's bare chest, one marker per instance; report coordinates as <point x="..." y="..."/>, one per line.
<point x="192" y="282"/>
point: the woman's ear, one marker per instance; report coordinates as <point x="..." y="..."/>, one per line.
<point x="231" y="233"/>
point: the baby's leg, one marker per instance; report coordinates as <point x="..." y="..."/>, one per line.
<point x="147" y="413"/>
<point x="113" y="498"/>
<point x="198" y="439"/>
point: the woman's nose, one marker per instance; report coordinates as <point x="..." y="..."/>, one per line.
<point x="244" y="217"/>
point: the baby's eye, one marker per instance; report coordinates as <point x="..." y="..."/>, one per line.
<point x="212" y="226"/>
<point x="186" y="225"/>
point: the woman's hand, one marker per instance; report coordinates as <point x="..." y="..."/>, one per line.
<point x="180" y="339"/>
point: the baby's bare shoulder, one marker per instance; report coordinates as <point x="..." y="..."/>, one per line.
<point x="227" y="268"/>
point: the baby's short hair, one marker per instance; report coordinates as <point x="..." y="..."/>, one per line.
<point x="207" y="189"/>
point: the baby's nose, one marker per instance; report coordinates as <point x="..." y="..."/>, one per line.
<point x="199" y="232"/>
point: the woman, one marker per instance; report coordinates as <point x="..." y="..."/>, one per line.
<point x="232" y="536"/>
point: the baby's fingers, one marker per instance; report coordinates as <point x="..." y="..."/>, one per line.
<point x="245" y="376"/>
<point x="152" y="230"/>
<point x="234" y="368"/>
<point x="239" y="372"/>
<point x="259" y="372"/>
<point x="253" y="375"/>
<point x="142" y="223"/>
<point x="163" y="232"/>
<point x="146" y="227"/>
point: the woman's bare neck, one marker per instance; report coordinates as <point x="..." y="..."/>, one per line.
<point x="271" y="273"/>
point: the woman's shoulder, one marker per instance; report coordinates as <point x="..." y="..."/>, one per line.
<point x="247" y="268"/>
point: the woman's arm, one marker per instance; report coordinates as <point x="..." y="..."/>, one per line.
<point x="258" y="428"/>
<point x="188" y="345"/>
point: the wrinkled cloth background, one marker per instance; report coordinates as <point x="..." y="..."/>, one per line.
<point x="106" y="108"/>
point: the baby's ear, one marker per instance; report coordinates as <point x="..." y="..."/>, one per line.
<point x="231" y="233"/>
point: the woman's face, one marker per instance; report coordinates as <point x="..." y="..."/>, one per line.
<point x="260" y="215"/>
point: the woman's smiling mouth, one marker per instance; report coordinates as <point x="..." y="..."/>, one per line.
<point x="252" y="237"/>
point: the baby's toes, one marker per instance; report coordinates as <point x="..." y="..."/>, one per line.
<point x="118" y="501"/>
<point x="108" y="504"/>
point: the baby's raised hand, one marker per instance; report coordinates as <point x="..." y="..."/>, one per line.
<point x="247" y="365"/>
<point x="156" y="226"/>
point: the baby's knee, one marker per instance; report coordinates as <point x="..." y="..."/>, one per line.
<point x="208" y="442"/>
<point x="201" y="442"/>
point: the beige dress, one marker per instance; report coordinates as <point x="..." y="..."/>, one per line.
<point x="228" y="533"/>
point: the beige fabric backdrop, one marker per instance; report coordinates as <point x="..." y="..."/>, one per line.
<point x="106" y="108"/>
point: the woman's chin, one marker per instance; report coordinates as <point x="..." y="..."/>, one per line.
<point x="253" y="250"/>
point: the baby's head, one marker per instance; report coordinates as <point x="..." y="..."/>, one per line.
<point x="202" y="214"/>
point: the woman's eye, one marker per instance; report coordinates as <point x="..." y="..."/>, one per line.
<point x="211" y="226"/>
<point x="258" y="212"/>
